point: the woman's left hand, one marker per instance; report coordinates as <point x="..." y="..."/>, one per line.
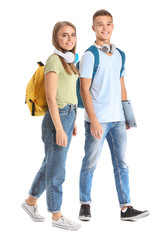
<point x="75" y="130"/>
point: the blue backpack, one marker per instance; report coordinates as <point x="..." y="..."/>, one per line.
<point x="95" y="52"/>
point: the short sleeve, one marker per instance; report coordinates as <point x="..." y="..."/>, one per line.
<point x="123" y="74"/>
<point x="52" y="64"/>
<point x="86" y="65"/>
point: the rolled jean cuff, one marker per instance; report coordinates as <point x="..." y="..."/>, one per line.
<point x="88" y="202"/>
<point x="33" y="196"/>
<point x="125" y="205"/>
<point x="54" y="211"/>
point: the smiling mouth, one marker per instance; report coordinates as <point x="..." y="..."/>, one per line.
<point x="105" y="33"/>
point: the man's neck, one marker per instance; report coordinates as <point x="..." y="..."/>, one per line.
<point x="102" y="42"/>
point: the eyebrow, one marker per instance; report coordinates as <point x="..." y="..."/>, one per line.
<point x="68" y="33"/>
<point x="102" y="22"/>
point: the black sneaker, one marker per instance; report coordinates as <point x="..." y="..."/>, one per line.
<point x="84" y="213"/>
<point x="132" y="214"/>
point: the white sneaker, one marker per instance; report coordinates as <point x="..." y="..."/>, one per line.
<point x="33" y="212"/>
<point x="65" y="223"/>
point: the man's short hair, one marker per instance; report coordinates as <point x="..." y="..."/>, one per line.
<point x="102" y="13"/>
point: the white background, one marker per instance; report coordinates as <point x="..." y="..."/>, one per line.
<point x="26" y="29"/>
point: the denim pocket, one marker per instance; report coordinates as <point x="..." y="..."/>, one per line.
<point x="87" y="126"/>
<point x="64" y="112"/>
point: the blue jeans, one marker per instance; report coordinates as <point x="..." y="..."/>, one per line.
<point x="115" y="134"/>
<point x="51" y="175"/>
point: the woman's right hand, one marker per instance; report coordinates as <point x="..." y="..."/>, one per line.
<point x="61" y="138"/>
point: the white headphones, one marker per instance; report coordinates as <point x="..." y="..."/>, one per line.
<point x="68" y="56"/>
<point x="106" y="48"/>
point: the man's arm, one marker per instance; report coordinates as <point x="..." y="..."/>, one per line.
<point x="96" y="129"/>
<point x="123" y="93"/>
<point x="123" y="89"/>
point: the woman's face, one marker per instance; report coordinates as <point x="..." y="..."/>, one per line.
<point x="67" y="38"/>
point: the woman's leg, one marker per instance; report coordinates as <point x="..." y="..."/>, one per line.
<point x="55" y="162"/>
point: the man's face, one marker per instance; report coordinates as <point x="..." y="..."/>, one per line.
<point x="103" y="27"/>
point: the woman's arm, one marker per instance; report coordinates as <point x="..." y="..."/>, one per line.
<point x="51" y="90"/>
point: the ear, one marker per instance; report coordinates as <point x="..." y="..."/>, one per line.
<point x="93" y="28"/>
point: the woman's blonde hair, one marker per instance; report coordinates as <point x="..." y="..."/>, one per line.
<point x="69" y="68"/>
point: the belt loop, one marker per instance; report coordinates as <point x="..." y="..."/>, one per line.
<point x="70" y="108"/>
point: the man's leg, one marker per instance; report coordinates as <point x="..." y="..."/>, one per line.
<point x="93" y="149"/>
<point x="117" y="141"/>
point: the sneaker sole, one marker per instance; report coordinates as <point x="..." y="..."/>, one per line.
<point x="83" y="218"/>
<point x="65" y="227"/>
<point x="145" y="214"/>
<point x="34" y="219"/>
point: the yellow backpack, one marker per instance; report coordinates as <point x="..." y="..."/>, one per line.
<point x="36" y="94"/>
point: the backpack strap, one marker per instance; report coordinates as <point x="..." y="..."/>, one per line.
<point x="40" y="64"/>
<point x="95" y="52"/>
<point x="123" y="60"/>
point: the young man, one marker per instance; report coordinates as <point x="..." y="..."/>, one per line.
<point x="104" y="118"/>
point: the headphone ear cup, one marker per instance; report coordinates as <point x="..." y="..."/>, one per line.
<point x="69" y="57"/>
<point x="105" y="48"/>
<point x="112" y="48"/>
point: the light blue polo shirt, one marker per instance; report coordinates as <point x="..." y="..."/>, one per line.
<point x="106" y="87"/>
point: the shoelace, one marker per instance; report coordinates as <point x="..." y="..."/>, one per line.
<point x="131" y="211"/>
<point x="36" y="211"/>
<point x="65" y="220"/>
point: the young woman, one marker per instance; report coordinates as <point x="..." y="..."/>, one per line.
<point x="58" y="126"/>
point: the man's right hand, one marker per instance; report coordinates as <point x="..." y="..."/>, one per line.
<point x="96" y="129"/>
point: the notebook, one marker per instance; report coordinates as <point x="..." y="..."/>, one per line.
<point x="129" y="114"/>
